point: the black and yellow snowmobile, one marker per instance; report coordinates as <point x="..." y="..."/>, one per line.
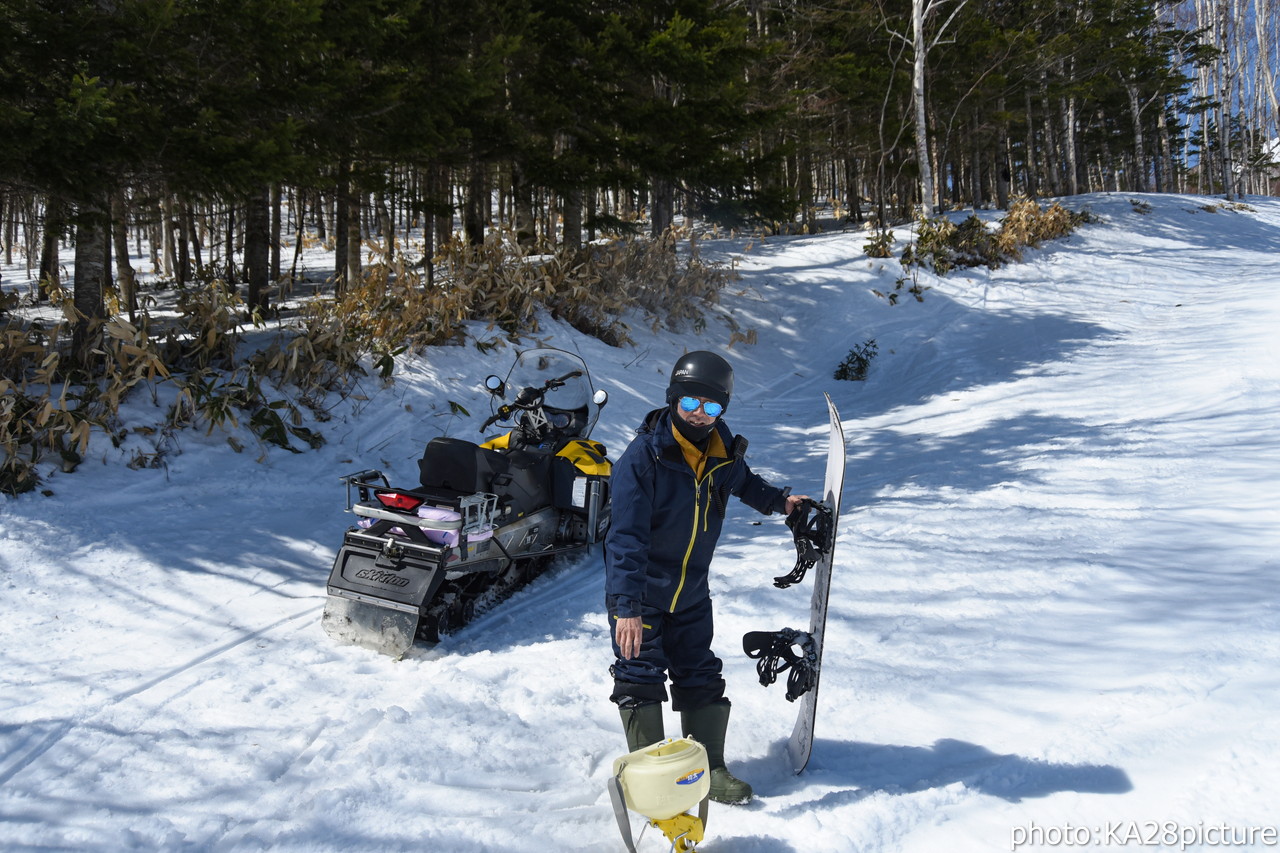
<point x="483" y="520"/>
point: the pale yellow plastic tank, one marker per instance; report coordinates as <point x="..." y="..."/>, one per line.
<point x="664" y="779"/>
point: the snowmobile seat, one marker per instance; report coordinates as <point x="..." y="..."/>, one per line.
<point x="459" y="465"/>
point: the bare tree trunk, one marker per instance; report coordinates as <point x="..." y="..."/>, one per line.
<point x="341" y="233"/>
<point x="1241" y="61"/>
<point x="90" y="279"/>
<point x="7" y="221"/>
<point x="230" y="244"/>
<point x="1053" y="158"/>
<point x="1003" y="162"/>
<point x="1224" y="107"/>
<point x="853" y="187"/>
<point x="435" y="184"/>
<point x="804" y="183"/>
<point x="919" y="52"/>
<point x="976" y="189"/>
<point x="124" y="270"/>
<point x="276" y="213"/>
<point x="662" y="214"/>
<point x="387" y="227"/>
<point x="1109" y="179"/>
<point x="320" y="216"/>
<point x="1139" y="142"/>
<point x="473" y="214"/>
<point x="526" y="227"/>
<point x="1029" y="167"/>
<point x="442" y="179"/>
<point x="591" y="202"/>
<point x="168" y="227"/>
<point x="1069" y="145"/>
<point x="189" y="251"/>
<point x="257" y="247"/>
<point x="1267" y="39"/>
<point x="355" y="236"/>
<point x="1164" y="160"/>
<point x="572" y="233"/>
<point x="49" y="268"/>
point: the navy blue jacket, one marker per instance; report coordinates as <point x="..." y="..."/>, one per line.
<point x="666" y="523"/>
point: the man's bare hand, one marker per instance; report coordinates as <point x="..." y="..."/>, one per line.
<point x="793" y="501"/>
<point x="628" y="631"/>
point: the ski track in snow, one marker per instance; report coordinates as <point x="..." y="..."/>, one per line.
<point x="17" y="764"/>
<point x="1054" y="601"/>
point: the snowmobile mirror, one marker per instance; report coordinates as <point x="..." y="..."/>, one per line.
<point x="494" y="384"/>
<point x="600" y="398"/>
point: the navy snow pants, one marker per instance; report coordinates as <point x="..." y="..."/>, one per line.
<point x="677" y="645"/>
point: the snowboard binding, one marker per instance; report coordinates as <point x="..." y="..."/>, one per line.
<point x="812" y="528"/>
<point x="775" y="653"/>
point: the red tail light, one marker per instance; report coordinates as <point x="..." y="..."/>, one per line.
<point x="398" y="501"/>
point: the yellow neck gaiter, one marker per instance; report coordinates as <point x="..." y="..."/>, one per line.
<point x="696" y="458"/>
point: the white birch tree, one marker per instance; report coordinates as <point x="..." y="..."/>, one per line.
<point x="921" y="43"/>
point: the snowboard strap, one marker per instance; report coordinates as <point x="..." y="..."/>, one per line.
<point x="810" y="524"/>
<point x="774" y="652"/>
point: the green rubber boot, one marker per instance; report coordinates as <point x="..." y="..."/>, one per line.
<point x="707" y="726"/>
<point x="642" y="724"/>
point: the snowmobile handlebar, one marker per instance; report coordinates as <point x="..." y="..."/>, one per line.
<point x="529" y="398"/>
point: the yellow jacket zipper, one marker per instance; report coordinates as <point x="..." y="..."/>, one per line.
<point x="693" y="537"/>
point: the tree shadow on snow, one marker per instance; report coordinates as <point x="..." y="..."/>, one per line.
<point x="996" y="453"/>
<point x="864" y="769"/>
<point x="975" y="349"/>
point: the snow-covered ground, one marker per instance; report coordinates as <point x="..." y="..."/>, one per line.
<point x="1053" y="618"/>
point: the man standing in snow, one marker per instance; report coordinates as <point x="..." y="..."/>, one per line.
<point x="670" y="491"/>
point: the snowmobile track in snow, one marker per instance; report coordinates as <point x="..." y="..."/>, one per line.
<point x="30" y="756"/>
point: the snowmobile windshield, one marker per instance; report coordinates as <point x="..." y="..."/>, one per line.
<point x="572" y="396"/>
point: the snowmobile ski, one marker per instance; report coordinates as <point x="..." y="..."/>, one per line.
<point x="799" y="653"/>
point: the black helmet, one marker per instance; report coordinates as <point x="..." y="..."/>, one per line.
<point x="701" y="374"/>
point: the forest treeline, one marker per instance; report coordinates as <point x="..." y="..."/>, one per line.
<point x="565" y="119"/>
<point x="427" y="141"/>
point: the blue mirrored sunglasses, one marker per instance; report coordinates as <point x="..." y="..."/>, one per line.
<point x="710" y="407"/>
